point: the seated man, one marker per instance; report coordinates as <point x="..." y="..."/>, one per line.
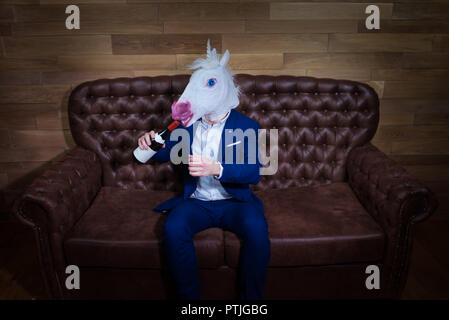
<point x="215" y="195"/>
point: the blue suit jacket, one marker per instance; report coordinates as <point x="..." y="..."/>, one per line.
<point x="236" y="176"/>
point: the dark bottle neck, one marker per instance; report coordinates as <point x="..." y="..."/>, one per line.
<point x="166" y="132"/>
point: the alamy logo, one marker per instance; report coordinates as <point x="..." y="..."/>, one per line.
<point x="373" y="20"/>
<point x="373" y="280"/>
<point x="73" y="20"/>
<point x="73" y="279"/>
<point x="250" y="138"/>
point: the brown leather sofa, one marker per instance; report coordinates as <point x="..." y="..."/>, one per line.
<point x="336" y="204"/>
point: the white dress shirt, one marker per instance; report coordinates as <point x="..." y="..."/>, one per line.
<point x="206" y="142"/>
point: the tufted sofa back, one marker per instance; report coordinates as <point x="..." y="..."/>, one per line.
<point x="318" y="120"/>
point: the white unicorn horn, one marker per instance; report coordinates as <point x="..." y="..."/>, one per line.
<point x="208" y="48"/>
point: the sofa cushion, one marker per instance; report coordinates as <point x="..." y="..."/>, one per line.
<point x="319" y="225"/>
<point x="120" y="229"/>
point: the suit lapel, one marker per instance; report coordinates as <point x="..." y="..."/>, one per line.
<point x="229" y="125"/>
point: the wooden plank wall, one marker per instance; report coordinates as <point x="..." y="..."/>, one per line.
<point x="407" y="62"/>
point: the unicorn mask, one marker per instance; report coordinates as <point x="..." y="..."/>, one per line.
<point x="210" y="92"/>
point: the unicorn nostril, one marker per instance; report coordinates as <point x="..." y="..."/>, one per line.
<point x="181" y="111"/>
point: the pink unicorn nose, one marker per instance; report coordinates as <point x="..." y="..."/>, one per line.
<point x="181" y="111"/>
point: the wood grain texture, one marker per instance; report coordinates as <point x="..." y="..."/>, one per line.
<point x="41" y="47"/>
<point x="406" y="62"/>
<point x="213" y="11"/>
<point x="237" y="26"/>
<point x="86" y="28"/>
<point x="116" y="62"/>
<point x="163" y="44"/>
<point x="322" y="11"/>
<point x="301" y="26"/>
<point x="104" y="12"/>
<point x="275" y="43"/>
<point x="240" y="61"/>
<point x="380" y="43"/>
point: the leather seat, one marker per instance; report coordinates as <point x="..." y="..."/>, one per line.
<point x="120" y="229"/>
<point x="319" y="225"/>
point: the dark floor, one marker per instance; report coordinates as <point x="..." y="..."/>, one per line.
<point x="428" y="277"/>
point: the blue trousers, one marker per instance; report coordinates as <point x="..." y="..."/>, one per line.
<point x="246" y="219"/>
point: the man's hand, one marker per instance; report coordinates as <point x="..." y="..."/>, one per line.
<point x="200" y="166"/>
<point x="145" y="140"/>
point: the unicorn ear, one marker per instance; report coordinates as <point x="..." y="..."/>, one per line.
<point x="224" y="60"/>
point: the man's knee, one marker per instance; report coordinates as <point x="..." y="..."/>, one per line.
<point x="255" y="225"/>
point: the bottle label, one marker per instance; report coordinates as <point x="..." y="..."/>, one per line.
<point x="158" y="138"/>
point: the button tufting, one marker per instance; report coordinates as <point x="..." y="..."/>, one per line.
<point x="315" y="93"/>
<point x="295" y="93"/>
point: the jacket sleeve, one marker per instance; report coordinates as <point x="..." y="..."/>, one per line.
<point x="246" y="172"/>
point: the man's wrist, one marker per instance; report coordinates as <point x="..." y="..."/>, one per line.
<point x="218" y="170"/>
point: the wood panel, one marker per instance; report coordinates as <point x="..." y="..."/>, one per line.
<point x="301" y="26"/>
<point x="86" y="28"/>
<point x="116" y="62"/>
<point x="197" y="26"/>
<point x="213" y="11"/>
<point x="406" y="62"/>
<point x="323" y="11"/>
<point x="421" y="11"/>
<point x="163" y="44"/>
<point x="241" y="61"/>
<point x="278" y="43"/>
<point x="90" y="12"/>
<point x="38" y="47"/>
<point x="380" y="43"/>
<point x="342" y="60"/>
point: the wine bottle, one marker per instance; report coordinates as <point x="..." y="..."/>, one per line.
<point x="156" y="143"/>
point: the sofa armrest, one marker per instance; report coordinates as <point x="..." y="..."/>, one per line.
<point x="396" y="201"/>
<point x="386" y="190"/>
<point x="55" y="200"/>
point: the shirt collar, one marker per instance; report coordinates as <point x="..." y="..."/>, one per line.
<point x="204" y="122"/>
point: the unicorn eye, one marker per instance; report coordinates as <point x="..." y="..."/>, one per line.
<point x="211" y="82"/>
